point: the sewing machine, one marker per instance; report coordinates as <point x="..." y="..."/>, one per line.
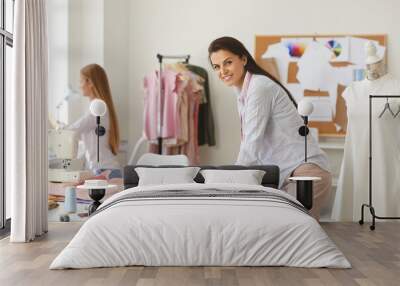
<point x="63" y="163"/>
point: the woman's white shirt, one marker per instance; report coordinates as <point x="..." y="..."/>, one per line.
<point x="270" y="125"/>
<point x="85" y="128"/>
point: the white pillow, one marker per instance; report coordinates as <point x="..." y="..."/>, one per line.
<point x="163" y="176"/>
<point x="248" y="177"/>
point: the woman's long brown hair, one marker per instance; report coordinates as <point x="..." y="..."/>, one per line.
<point x="236" y="47"/>
<point x="101" y="89"/>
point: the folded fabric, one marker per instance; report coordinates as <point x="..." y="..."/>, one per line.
<point x="52" y="204"/>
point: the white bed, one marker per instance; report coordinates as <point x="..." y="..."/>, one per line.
<point x="185" y="230"/>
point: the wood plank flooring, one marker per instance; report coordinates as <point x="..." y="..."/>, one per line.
<point x="375" y="257"/>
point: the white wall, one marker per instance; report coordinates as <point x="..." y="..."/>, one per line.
<point x="178" y="26"/>
<point x="85" y="45"/>
<point x="58" y="53"/>
<point x="86" y="36"/>
<point x="116" y="62"/>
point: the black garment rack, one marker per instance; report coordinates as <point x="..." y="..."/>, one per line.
<point x="370" y="206"/>
<point x="161" y="97"/>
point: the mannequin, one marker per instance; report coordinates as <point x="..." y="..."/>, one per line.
<point x="352" y="190"/>
<point x="375" y="70"/>
<point x="375" y="66"/>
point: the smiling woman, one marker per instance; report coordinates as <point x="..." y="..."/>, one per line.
<point x="230" y="67"/>
<point x="269" y="120"/>
<point x="231" y="60"/>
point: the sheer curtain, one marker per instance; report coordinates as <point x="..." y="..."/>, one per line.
<point x="27" y="123"/>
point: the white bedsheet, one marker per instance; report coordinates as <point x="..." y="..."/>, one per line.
<point x="200" y="231"/>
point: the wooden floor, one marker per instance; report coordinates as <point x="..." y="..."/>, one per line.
<point x="375" y="257"/>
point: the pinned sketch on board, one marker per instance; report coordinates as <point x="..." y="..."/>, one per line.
<point x="296" y="46"/>
<point x="339" y="47"/>
<point x="319" y="68"/>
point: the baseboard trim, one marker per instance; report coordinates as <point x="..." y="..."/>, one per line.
<point x="5" y="231"/>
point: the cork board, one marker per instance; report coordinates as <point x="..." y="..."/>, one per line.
<point x="325" y="128"/>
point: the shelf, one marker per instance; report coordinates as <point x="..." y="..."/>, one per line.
<point x="331" y="145"/>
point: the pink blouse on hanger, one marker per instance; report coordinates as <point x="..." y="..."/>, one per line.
<point x="181" y="98"/>
<point x="170" y="81"/>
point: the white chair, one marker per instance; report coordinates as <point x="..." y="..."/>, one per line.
<point x="140" y="146"/>
<point x="162" y="160"/>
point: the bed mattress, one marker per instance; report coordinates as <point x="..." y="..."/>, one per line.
<point x="201" y="225"/>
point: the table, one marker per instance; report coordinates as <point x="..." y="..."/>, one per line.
<point x="304" y="190"/>
<point x="96" y="193"/>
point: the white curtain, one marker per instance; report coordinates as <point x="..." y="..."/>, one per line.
<point x="28" y="122"/>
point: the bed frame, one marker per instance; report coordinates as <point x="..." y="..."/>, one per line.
<point x="270" y="179"/>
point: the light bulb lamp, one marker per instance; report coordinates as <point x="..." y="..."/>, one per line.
<point x="98" y="108"/>
<point x="304" y="185"/>
<point x="305" y="108"/>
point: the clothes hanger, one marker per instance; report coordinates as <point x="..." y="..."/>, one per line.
<point x="398" y="112"/>
<point x="387" y="107"/>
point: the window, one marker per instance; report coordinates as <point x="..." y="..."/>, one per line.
<point x="9" y="17"/>
<point x="6" y="44"/>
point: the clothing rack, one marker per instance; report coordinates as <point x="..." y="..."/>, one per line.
<point x="370" y="206"/>
<point x="161" y="97"/>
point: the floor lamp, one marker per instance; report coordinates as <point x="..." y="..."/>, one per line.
<point x="304" y="185"/>
<point x="98" y="108"/>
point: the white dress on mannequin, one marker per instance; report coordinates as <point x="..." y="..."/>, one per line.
<point x="352" y="190"/>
